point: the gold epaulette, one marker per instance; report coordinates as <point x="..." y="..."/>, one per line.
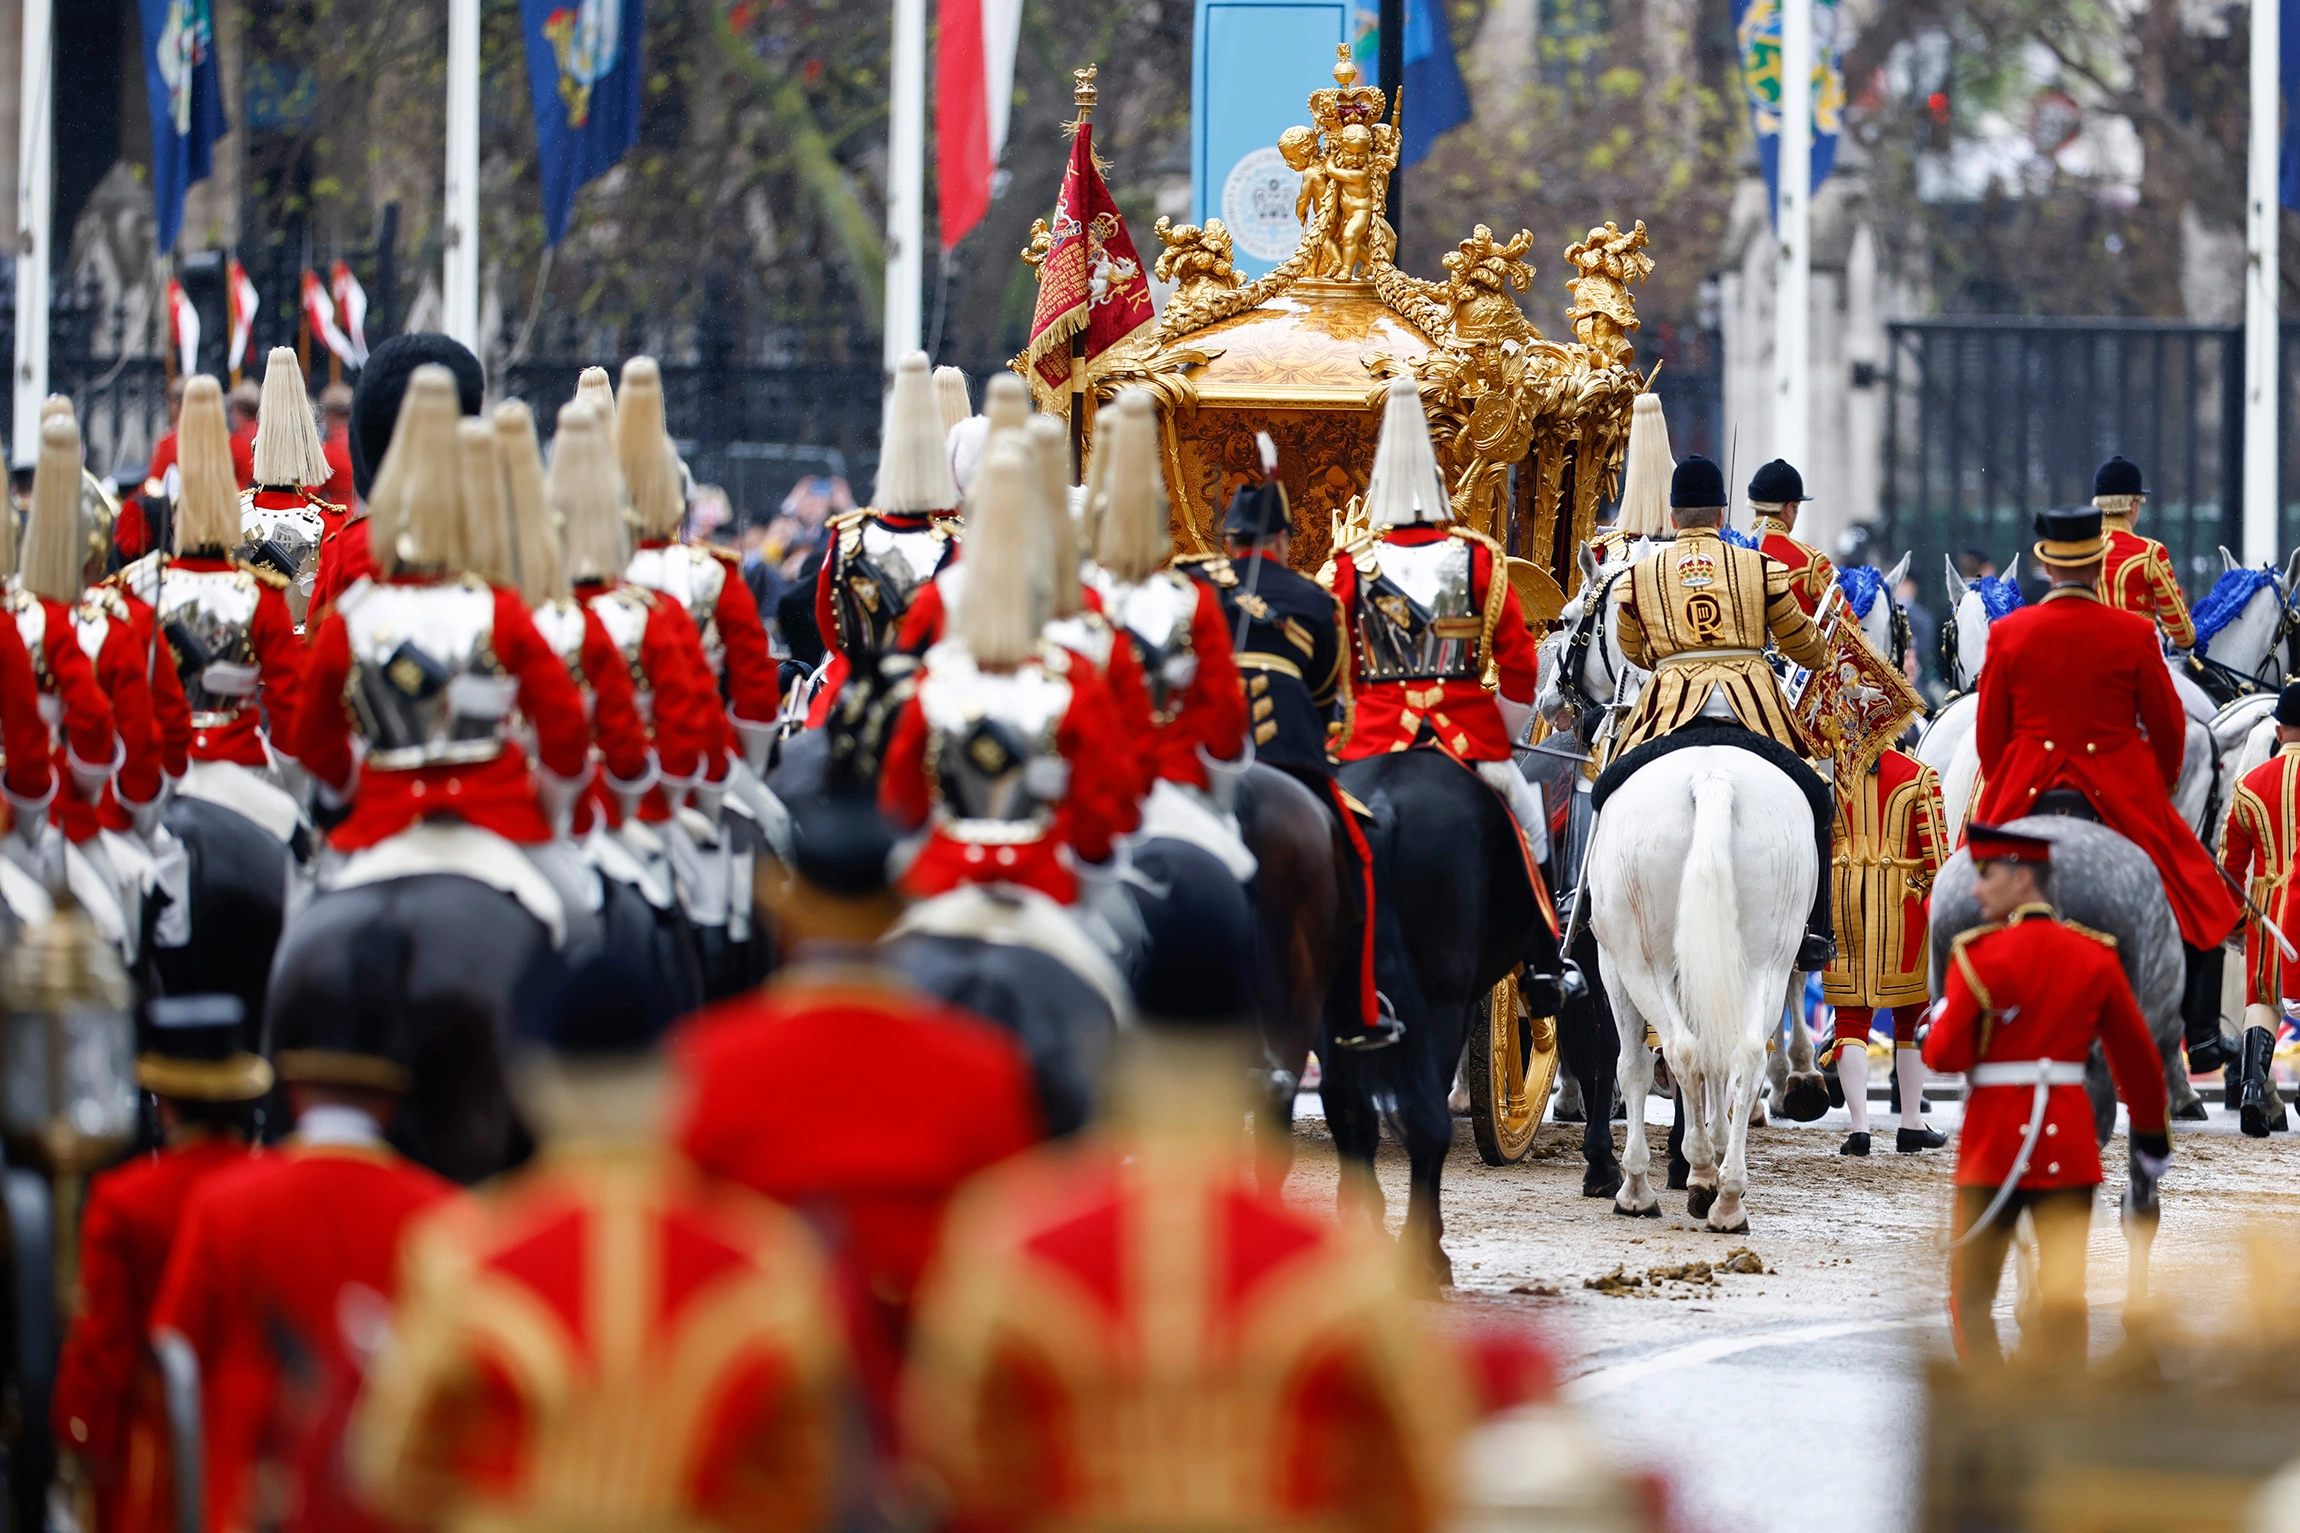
<point x="1215" y="567"/>
<point x="1364" y="542"/>
<point x="845" y="519"/>
<point x="317" y="504"/>
<point x="262" y="572"/>
<point x="2082" y="930"/>
<point x="1964" y="963"/>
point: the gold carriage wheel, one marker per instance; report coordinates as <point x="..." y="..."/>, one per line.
<point x="1509" y="1068"/>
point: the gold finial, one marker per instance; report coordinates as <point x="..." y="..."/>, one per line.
<point x="1345" y="67"/>
<point x="1083" y="93"/>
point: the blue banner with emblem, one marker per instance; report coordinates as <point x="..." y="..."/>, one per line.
<point x="186" y="92"/>
<point x="1757" y="34"/>
<point x="584" y="73"/>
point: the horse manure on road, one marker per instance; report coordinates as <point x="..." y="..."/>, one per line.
<point x="1621" y="1282"/>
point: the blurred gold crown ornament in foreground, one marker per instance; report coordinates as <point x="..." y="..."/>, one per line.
<point x="1529" y="432"/>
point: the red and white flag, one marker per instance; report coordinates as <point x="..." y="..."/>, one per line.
<point x="183" y="328"/>
<point x="973" y="91"/>
<point x="240" y="311"/>
<point x="351" y="308"/>
<point x="321" y="313"/>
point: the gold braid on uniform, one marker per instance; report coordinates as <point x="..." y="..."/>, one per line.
<point x="1964" y="963"/>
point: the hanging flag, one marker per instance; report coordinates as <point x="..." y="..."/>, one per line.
<point x="1089" y="276"/>
<point x="2288" y="69"/>
<point x="973" y="90"/>
<point x="351" y="309"/>
<point x="1436" y="101"/>
<point x="583" y="77"/>
<point x="186" y="93"/>
<point x="321" y="314"/>
<point x="1757" y="26"/>
<point x="239" y="314"/>
<point x="183" y="328"/>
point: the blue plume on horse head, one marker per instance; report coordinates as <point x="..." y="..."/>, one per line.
<point x="1861" y="583"/>
<point x="2230" y="595"/>
<point x="1998" y="595"/>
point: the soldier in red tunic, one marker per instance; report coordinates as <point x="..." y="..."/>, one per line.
<point x="961" y="1101"/>
<point x="435" y="665"/>
<point x="2076" y="696"/>
<point x="283" y="522"/>
<point x="707" y="581"/>
<point x="1009" y="752"/>
<point x="878" y="559"/>
<point x="1776" y="491"/>
<point x="283" y="1272"/>
<point x="2258" y="847"/>
<point x="2137" y="574"/>
<point x="2027" y="996"/>
<point x="604" y="1338"/>
<point x="108" y="1409"/>
<point x="1138" y="1329"/>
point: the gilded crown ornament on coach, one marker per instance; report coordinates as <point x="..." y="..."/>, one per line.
<point x="1530" y="432"/>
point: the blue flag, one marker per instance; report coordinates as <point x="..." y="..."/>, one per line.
<point x="2288" y="69"/>
<point x="186" y="92"/>
<point x="1436" y="101"/>
<point x="584" y="74"/>
<point x="1757" y="29"/>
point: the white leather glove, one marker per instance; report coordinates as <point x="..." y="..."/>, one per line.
<point x="757" y="742"/>
<point x="628" y="794"/>
<point x="1516" y="717"/>
<point x="1223" y="777"/>
<point x="559" y="795"/>
<point x="89" y="780"/>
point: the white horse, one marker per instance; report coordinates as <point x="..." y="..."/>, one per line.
<point x="2244" y="637"/>
<point x="1947" y="742"/>
<point x="1701" y="875"/>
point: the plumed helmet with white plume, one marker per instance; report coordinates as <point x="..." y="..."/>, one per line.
<point x="914" y="459"/>
<point x="1645" y="476"/>
<point x="288" y="450"/>
<point x="1406" y="486"/>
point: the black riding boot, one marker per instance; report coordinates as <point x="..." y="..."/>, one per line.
<point x="2259" y="1048"/>
<point x="2200" y="1009"/>
<point x="1820" y="945"/>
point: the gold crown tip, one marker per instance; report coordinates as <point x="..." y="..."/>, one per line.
<point x="1083" y="92"/>
<point x="1345" y="67"/>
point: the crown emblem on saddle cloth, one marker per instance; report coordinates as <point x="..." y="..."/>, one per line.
<point x="1695" y="568"/>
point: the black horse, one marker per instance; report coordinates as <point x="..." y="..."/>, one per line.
<point x="1455" y="915"/>
<point x="238" y="891"/>
<point x="1305" y="934"/>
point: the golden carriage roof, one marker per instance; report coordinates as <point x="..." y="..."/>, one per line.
<point x="1530" y="432"/>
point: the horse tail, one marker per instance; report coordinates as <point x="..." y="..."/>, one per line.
<point x="1711" y="968"/>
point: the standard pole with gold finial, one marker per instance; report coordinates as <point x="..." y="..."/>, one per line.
<point x="1083" y="93"/>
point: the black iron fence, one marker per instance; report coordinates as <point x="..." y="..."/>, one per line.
<point x="1988" y="421"/>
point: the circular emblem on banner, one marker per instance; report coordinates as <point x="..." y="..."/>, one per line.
<point x="1258" y="205"/>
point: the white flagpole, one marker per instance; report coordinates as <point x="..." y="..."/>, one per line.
<point x="906" y="183"/>
<point x="2261" y="278"/>
<point x="34" y="136"/>
<point x="1792" y="286"/>
<point x="460" y="279"/>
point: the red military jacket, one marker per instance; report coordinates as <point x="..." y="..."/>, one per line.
<point x="1209" y="713"/>
<point x="2039" y="988"/>
<point x="30" y="776"/>
<point x="678" y="696"/>
<point x="499" y="794"/>
<point x="346" y="556"/>
<point x="1089" y="635"/>
<point x="1460" y="713"/>
<point x="78" y="712"/>
<point x="107" y="1407"/>
<point x="619" y="739"/>
<point x="876" y="1192"/>
<point x="1140" y="1330"/>
<point x="734" y="635"/>
<point x="279" y="657"/>
<point x="2257" y="847"/>
<point x="335" y="497"/>
<point x="2137" y="577"/>
<point x="2070" y="687"/>
<point x="281" y="1278"/>
<point x="1093" y="810"/>
<point x="605" y="1339"/>
<point x="1810" y="572"/>
<point x="107" y="633"/>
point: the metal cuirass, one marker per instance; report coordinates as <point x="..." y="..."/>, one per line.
<point x="1155" y="614"/>
<point x="1416" y="614"/>
<point x="207" y="618"/>
<point x="993" y="752"/>
<point x="879" y="570"/>
<point x="623" y="613"/>
<point x="560" y="622"/>
<point x="286" y="538"/>
<point x="426" y="687"/>
<point x="693" y="578"/>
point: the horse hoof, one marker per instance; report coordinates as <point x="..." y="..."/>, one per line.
<point x="1568" y="1115"/>
<point x="1649" y="1211"/>
<point x="1679" y="1173"/>
<point x="1601" y="1181"/>
<point x="1699" y="1200"/>
<point x="1805" y="1100"/>
<point x="1740" y="1226"/>
<point x="2193" y="1111"/>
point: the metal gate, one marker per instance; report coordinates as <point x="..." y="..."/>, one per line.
<point x="1988" y="421"/>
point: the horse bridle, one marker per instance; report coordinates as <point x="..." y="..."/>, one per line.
<point x="1585" y="633"/>
<point x="2287" y="626"/>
